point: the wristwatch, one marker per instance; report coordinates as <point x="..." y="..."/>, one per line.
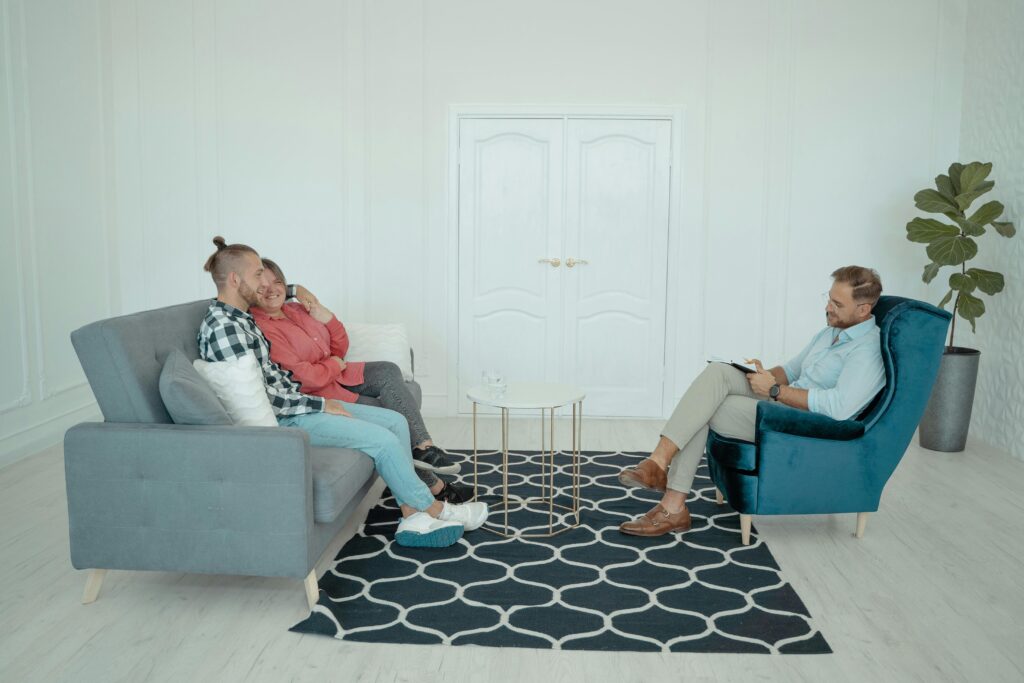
<point x="773" y="393"/>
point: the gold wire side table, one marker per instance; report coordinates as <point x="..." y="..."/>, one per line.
<point x="544" y="397"/>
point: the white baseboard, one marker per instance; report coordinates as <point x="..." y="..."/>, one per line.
<point x="45" y="435"/>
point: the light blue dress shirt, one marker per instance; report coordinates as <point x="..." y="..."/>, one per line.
<point x="841" y="378"/>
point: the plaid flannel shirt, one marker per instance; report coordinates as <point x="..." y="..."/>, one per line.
<point x="227" y="332"/>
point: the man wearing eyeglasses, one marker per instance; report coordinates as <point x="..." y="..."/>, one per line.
<point x="837" y="374"/>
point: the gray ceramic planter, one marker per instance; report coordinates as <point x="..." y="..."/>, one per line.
<point x="948" y="414"/>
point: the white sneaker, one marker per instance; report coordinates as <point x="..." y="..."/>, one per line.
<point x="420" y="530"/>
<point x="470" y="515"/>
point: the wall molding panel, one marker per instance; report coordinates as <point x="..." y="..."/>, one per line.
<point x="60" y="197"/>
<point x="23" y="396"/>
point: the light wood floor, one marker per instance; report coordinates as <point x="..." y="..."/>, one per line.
<point x="934" y="591"/>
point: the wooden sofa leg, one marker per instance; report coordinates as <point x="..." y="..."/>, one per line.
<point x="862" y="519"/>
<point x="745" y="529"/>
<point x="92" y="585"/>
<point x="312" y="590"/>
<point x="719" y="498"/>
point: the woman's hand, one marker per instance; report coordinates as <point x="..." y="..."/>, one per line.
<point x="320" y="313"/>
<point x="305" y="296"/>
<point x="341" y="362"/>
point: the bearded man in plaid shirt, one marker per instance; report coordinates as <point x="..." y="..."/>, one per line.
<point x="228" y="332"/>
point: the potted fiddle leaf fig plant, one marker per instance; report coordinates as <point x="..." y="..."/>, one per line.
<point x="953" y="243"/>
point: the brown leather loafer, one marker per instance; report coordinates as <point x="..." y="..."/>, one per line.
<point x="647" y="475"/>
<point x="657" y="522"/>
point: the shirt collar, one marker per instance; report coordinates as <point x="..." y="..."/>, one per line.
<point x="231" y="311"/>
<point x="858" y="330"/>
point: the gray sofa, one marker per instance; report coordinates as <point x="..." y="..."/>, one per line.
<point x="147" y="494"/>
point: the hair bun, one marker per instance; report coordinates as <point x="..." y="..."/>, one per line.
<point x="220" y="242"/>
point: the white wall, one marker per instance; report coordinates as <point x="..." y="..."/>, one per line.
<point x="316" y="131"/>
<point x="993" y="130"/>
<point x="55" y="272"/>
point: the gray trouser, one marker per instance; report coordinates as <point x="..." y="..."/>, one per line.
<point x="720" y="398"/>
<point x="383" y="381"/>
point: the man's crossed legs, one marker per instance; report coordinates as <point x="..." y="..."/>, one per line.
<point x="720" y="398"/>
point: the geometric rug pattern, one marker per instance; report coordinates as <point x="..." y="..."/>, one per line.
<point x="590" y="588"/>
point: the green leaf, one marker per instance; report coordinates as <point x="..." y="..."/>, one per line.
<point x="988" y="212"/>
<point x="1005" y="228"/>
<point x="973" y="175"/>
<point x="964" y="199"/>
<point x="952" y="251"/>
<point x="970" y="308"/>
<point x="955" y="170"/>
<point x="961" y="283"/>
<point x="969" y="228"/>
<point x="945" y="299"/>
<point x="930" y="271"/>
<point x="945" y="186"/>
<point x="988" y="281"/>
<point x="926" y="230"/>
<point x="932" y="201"/>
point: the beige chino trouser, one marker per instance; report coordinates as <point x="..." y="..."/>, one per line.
<point x="720" y="398"/>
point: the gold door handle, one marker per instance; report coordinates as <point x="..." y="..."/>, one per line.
<point x="570" y="262"/>
<point x="555" y="262"/>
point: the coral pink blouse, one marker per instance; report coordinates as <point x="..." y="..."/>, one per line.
<point x="302" y="345"/>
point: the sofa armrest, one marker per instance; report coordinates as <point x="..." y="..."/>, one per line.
<point x="777" y="417"/>
<point x="215" y="499"/>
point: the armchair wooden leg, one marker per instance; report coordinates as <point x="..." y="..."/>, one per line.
<point x="745" y="529"/>
<point x="719" y="498"/>
<point x="862" y="519"/>
<point x="312" y="590"/>
<point x="92" y="585"/>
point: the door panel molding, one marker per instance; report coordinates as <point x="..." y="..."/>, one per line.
<point x="598" y="306"/>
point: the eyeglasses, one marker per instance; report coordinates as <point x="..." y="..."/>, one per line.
<point x="827" y="300"/>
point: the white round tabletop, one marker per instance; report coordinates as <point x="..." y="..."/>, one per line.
<point x="524" y="395"/>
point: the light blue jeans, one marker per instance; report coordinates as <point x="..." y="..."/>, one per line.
<point x="380" y="433"/>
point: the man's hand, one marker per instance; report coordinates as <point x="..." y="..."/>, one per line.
<point x="320" y="313"/>
<point x="335" y="407"/>
<point x="341" y="362"/>
<point x="760" y="381"/>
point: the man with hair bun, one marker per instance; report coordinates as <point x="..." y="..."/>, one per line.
<point x="228" y="332"/>
<point x="837" y="374"/>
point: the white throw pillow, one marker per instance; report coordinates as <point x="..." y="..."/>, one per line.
<point x="377" y="341"/>
<point x="239" y="385"/>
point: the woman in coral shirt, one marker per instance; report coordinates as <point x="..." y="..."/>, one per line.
<point x="310" y="342"/>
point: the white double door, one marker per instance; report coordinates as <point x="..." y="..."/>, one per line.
<point x="563" y="235"/>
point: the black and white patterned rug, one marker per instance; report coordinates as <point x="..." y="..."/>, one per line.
<point x="590" y="588"/>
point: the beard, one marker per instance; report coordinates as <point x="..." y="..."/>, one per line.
<point x="248" y="294"/>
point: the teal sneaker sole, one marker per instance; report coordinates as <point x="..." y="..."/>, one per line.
<point x="438" y="538"/>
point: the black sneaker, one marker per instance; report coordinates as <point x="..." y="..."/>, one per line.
<point x="454" y="492"/>
<point x="434" y="459"/>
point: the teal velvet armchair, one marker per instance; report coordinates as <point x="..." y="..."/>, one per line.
<point x="806" y="463"/>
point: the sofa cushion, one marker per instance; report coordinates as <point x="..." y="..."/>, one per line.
<point x="239" y="385"/>
<point x="187" y="396"/>
<point x="123" y="357"/>
<point x="380" y="341"/>
<point x="338" y="475"/>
